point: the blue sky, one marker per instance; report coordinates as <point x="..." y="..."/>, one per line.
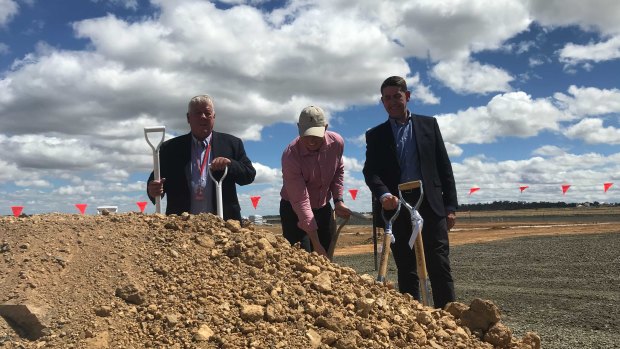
<point x="525" y="92"/>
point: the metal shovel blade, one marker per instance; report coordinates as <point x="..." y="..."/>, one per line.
<point x="156" y="171"/>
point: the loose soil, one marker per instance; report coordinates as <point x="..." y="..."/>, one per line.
<point x="151" y="281"/>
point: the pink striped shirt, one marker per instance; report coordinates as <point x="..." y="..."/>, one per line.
<point x="311" y="179"/>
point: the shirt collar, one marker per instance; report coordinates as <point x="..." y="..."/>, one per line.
<point x="396" y="124"/>
<point x="202" y="143"/>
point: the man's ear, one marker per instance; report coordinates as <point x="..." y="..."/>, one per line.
<point x="187" y="116"/>
<point x="408" y="95"/>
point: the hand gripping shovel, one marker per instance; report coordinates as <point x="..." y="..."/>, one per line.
<point x="156" y="173"/>
<point x="416" y="237"/>
<point x="388" y="238"/>
<point x="218" y="191"/>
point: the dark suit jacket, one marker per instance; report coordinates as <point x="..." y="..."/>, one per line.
<point x="382" y="171"/>
<point x="175" y="157"/>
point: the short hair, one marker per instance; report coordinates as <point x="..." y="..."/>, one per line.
<point x="200" y="100"/>
<point x="394" y="81"/>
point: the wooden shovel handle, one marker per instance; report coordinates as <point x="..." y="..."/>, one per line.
<point x="385" y="254"/>
<point x="409" y="185"/>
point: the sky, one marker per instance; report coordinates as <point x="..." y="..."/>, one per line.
<point x="525" y="92"/>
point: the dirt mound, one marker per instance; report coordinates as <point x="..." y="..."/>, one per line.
<point x="151" y="281"/>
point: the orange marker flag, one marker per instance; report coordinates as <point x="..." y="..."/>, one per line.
<point x="81" y="207"/>
<point x="353" y="193"/>
<point x="523" y="187"/>
<point x="565" y="188"/>
<point x="141" y="205"/>
<point x="17" y="210"/>
<point x="255" y="200"/>
<point x="606" y="186"/>
<point x="473" y="190"/>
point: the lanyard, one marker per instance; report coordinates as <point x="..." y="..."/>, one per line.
<point x="202" y="165"/>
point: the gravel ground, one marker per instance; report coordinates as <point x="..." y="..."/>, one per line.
<point x="566" y="288"/>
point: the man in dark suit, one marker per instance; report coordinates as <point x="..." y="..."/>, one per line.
<point x="405" y="148"/>
<point x="185" y="161"/>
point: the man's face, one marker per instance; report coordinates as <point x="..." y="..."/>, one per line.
<point x="312" y="143"/>
<point x="395" y="101"/>
<point x="201" y="119"/>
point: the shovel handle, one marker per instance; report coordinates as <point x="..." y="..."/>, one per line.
<point x="422" y="273"/>
<point x="218" y="191"/>
<point x="385" y="255"/>
<point x="410" y="185"/>
<point x="335" y="234"/>
<point x="156" y="171"/>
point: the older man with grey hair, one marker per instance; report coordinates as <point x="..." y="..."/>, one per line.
<point x="185" y="162"/>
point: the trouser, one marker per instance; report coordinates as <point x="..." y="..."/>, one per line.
<point x="294" y="234"/>
<point x="436" y="250"/>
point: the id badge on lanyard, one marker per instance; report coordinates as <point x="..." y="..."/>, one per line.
<point x="199" y="192"/>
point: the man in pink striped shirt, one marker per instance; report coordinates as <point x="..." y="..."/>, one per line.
<point x="312" y="174"/>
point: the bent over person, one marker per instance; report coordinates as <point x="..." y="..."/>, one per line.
<point x="185" y="161"/>
<point x="408" y="147"/>
<point x="312" y="174"/>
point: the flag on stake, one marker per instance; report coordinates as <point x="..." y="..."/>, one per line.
<point x="606" y="186"/>
<point x="473" y="190"/>
<point x="81" y="207"/>
<point x="523" y="187"/>
<point x="17" y="210"/>
<point x="255" y="200"/>
<point x="353" y="193"/>
<point x="141" y="205"/>
<point x="565" y="188"/>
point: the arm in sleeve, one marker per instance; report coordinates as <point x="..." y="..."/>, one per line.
<point x="337" y="184"/>
<point x="240" y="168"/>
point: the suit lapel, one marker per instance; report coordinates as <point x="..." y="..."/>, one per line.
<point x="387" y="137"/>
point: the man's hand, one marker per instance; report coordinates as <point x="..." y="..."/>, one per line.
<point x="389" y="202"/>
<point x="219" y="164"/>
<point x="155" y="188"/>
<point x="451" y="219"/>
<point x="342" y="210"/>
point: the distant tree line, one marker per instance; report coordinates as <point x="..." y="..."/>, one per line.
<point x="519" y="205"/>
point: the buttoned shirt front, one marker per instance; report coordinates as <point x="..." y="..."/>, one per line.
<point x="406" y="149"/>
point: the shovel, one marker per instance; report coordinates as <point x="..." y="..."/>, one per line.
<point x="415" y="241"/>
<point x="388" y="238"/>
<point x="218" y="191"/>
<point x="335" y="233"/>
<point x="156" y="172"/>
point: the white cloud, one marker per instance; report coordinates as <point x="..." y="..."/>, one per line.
<point x="590" y="101"/>
<point x="513" y="114"/>
<point x="352" y="164"/>
<point x="8" y="9"/>
<point x="592" y="131"/>
<point x="573" y="54"/>
<point x="72" y="190"/>
<point x="38" y="183"/>
<point x="453" y="150"/>
<point x="549" y="150"/>
<point x="265" y="174"/>
<point x="500" y="180"/>
<point x="466" y="76"/>
<point x="590" y="15"/>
